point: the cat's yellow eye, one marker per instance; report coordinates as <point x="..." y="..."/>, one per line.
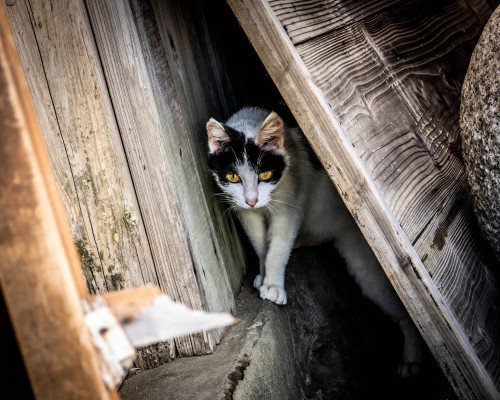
<point x="233" y="178"/>
<point x="266" y="175"/>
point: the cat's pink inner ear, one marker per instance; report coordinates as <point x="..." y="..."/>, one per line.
<point x="271" y="133"/>
<point x="218" y="139"/>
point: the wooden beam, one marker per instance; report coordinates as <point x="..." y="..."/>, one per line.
<point x="40" y="274"/>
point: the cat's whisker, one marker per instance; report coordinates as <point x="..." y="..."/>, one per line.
<point x="283" y="204"/>
<point x="222" y="197"/>
<point x="272" y="211"/>
<point x="229" y="209"/>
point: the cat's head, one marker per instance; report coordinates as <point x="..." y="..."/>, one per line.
<point x="247" y="156"/>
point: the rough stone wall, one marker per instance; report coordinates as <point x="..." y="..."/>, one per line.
<point x="480" y="125"/>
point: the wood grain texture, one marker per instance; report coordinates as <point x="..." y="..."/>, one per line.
<point x="359" y="93"/>
<point x="140" y="131"/>
<point x="27" y="48"/>
<point x="199" y="75"/>
<point x="395" y="88"/>
<point x="191" y="264"/>
<point x="116" y="127"/>
<point x="86" y="125"/>
<point x="36" y="247"/>
<point x="303" y="20"/>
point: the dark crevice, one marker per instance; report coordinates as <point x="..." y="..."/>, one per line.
<point x="236" y="377"/>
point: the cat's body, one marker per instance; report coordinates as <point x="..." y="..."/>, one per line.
<point x="284" y="200"/>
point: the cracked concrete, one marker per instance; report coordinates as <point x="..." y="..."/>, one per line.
<point x="249" y="352"/>
<point x="328" y="343"/>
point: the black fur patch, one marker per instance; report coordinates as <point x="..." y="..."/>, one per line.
<point x="260" y="160"/>
<point x="269" y="161"/>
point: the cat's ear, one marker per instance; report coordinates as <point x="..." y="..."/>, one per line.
<point x="218" y="138"/>
<point x="271" y="133"/>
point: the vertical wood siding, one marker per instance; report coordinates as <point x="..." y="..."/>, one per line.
<point x="128" y="155"/>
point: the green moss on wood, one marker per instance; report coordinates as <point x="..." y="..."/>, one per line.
<point x="89" y="264"/>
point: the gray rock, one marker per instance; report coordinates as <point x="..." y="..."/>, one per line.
<point x="479" y="122"/>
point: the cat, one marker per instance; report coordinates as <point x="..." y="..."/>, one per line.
<point x="284" y="199"/>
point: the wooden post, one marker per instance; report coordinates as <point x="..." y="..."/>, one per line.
<point x="40" y="274"/>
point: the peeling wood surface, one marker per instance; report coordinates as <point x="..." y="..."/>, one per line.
<point x="376" y="87"/>
<point x="146" y="315"/>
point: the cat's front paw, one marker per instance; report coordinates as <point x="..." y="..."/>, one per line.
<point x="273" y="293"/>
<point x="257" y="282"/>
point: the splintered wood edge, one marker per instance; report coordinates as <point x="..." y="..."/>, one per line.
<point x="148" y="316"/>
<point x="399" y="259"/>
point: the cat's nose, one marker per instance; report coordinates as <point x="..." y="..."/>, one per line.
<point x="251" y="202"/>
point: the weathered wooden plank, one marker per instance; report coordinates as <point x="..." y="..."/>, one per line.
<point x="24" y="38"/>
<point x="92" y="144"/>
<point x="157" y="144"/>
<point x="328" y="133"/>
<point x="415" y="70"/>
<point x="212" y="251"/>
<point x="303" y="20"/>
<point x="191" y="166"/>
<point x="36" y="246"/>
<point x="140" y="131"/>
<point x="200" y="76"/>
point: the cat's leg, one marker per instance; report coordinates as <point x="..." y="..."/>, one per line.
<point x="382" y="293"/>
<point x="282" y="233"/>
<point x="412" y="351"/>
<point x="375" y="285"/>
<point x="255" y="228"/>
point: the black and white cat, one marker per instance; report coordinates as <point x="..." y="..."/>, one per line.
<point x="284" y="200"/>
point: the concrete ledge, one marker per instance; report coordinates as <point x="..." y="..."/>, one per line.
<point x="249" y="352"/>
<point x="329" y="342"/>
